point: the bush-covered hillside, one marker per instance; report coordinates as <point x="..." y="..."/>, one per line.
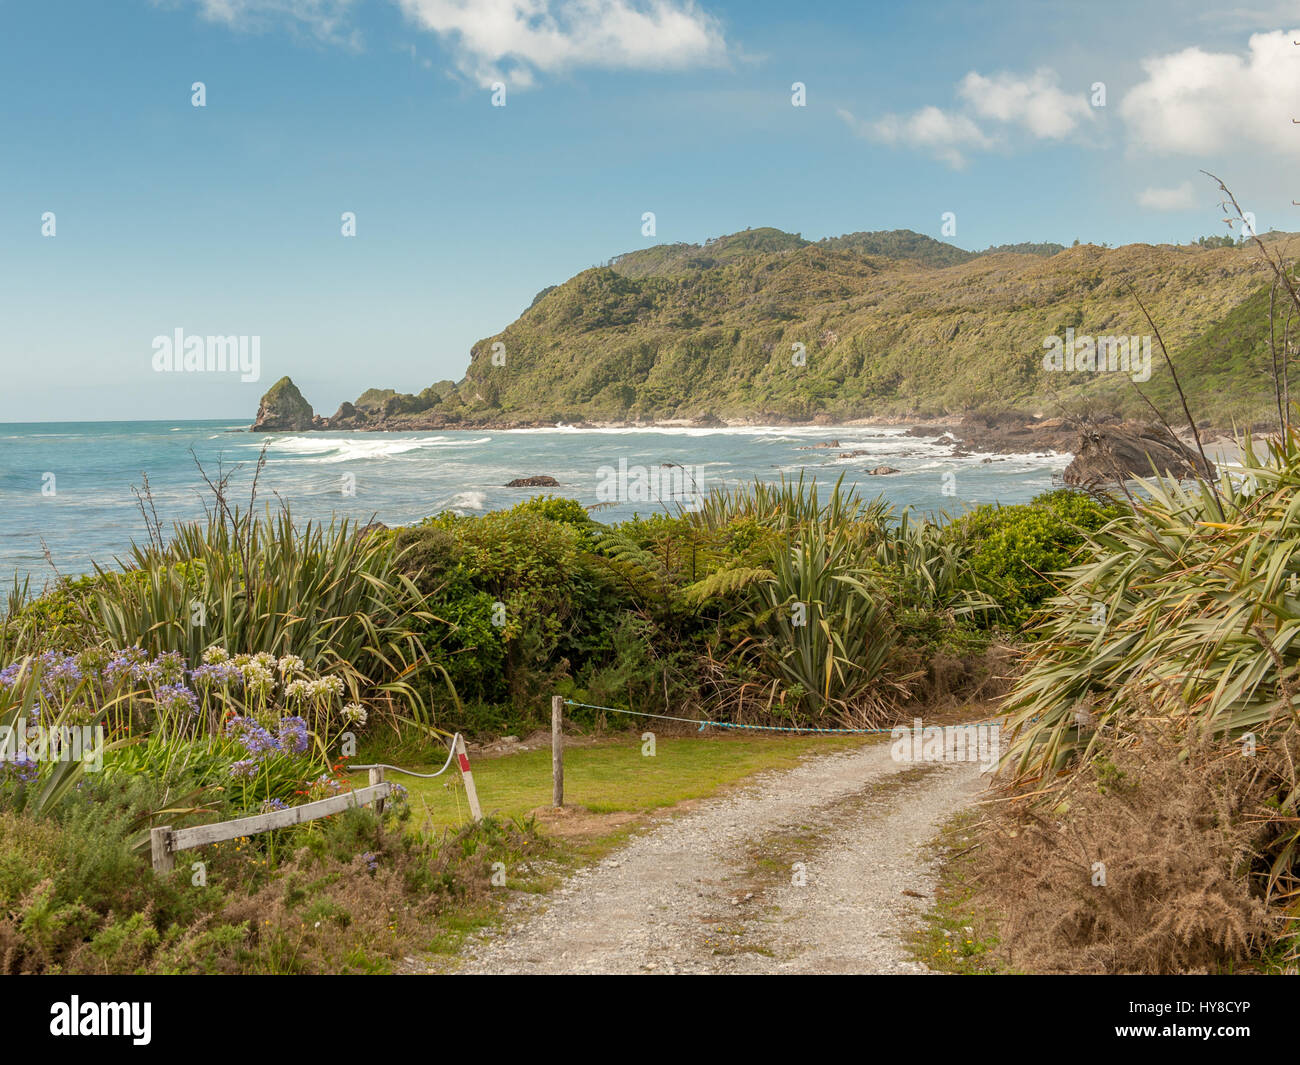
<point x="765" y="325"/>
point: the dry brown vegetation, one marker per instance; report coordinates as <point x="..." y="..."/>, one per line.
<point x="1144" y="861"/>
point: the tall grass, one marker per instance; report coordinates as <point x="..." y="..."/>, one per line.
<point x="791" y="505"/>
<point x="333" y="597"/>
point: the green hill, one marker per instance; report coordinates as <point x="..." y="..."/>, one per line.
<point x="886" y="324"/>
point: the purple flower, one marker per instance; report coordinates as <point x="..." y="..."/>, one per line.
<point x="256" y="740"/>
<point x="246" y="768"/>
<point x="293" y="735"/>
<point x="166" y="669"/>
<point x="176" y="698"/>
<point x="125" y="664"/>
<point x="216" y="673"/>
<point x="67" y="669"/>
<point x="9" y="674"/>
<point x="372" y="863"/>
<point x="22" y="769"/>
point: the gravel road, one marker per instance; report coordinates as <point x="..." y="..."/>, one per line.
<point x="800" y="871"/>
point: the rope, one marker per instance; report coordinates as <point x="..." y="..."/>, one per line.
<point x="729" y="724"/>
<point x="410" y="773"/>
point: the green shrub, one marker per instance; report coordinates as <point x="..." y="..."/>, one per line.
<point x="1013" y="552"/>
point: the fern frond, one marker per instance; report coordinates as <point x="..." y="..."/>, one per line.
<point x="723" y="583"/>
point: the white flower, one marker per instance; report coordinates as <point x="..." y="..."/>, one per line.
<point x="291" y="664"/>
<point x="258" y="678"/>
<point x="215" y="655"/>
<point x="354" y="714"/>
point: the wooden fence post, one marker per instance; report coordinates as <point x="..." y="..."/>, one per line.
<point x="164" y="861"/>
<point x="377" y="777"/>
<point x="462" y="757"/>
<point x="557" y="750"/>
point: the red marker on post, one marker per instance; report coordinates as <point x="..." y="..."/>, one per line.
<point x="462" y="757"/>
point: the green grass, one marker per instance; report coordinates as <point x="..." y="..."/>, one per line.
<point x="612" y="777"/>
<point x="957" y="936"/>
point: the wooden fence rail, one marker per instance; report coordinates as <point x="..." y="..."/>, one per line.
<point x="165" y="841"/>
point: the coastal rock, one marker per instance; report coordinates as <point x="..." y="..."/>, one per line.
<point x="851" y="454"/>
<point x="542" y="481"/>
<point x="346" y="417"/>
<point x="283" y="409"/>
<point x="1013" y="433"/>
<point x="1111" y="453"/>
<point x="931" y="430"/>
<point x="880" y="471"/>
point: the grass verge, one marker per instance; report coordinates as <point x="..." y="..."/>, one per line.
<point x="957" y="936"/>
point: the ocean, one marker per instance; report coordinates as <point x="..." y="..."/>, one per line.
<point x="66" y="488"/>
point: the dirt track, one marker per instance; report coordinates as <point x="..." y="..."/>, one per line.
<point x="801" y="871"/>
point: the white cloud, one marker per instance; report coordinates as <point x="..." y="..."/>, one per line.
<point x="1193" y="102"/>
<point x="1036" y="102"/>
<point x="326" y="19"/>
<point x="512" y="40"/>
<point x="939" y="132"/>
<point x="1178" y="198"/>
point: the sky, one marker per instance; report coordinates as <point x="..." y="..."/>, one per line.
<point x="127" y="212"/>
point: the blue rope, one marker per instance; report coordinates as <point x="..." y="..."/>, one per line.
<point x="728" y="724"/>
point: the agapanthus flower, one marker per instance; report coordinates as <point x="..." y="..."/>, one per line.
<point x="216" y="673"/>
<point x="256" y="740"/>
<point x="293" y="735"/>
<point x="354" y="714"/>
<point x="328" y="783"/>
<point x="292" y="664"/>
<point x="124" y="664"/>
<point x="323" y="687"/>
<point x="215" y="656"/>
<point x="245" y="768"/>
<point x="21" y="769"/>
<point x="176" y="698"/>
<point x="258" y="680"/>
<point x="169" y="668"/>
<point x="57" y="668"/>
<point x="10" y="674"/>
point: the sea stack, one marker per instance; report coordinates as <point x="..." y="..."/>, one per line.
<point x="283" y="409"/>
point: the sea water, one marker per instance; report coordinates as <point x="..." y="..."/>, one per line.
<point x="66" y="489"/>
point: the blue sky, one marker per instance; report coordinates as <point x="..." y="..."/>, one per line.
<point x="225" y="219"/>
